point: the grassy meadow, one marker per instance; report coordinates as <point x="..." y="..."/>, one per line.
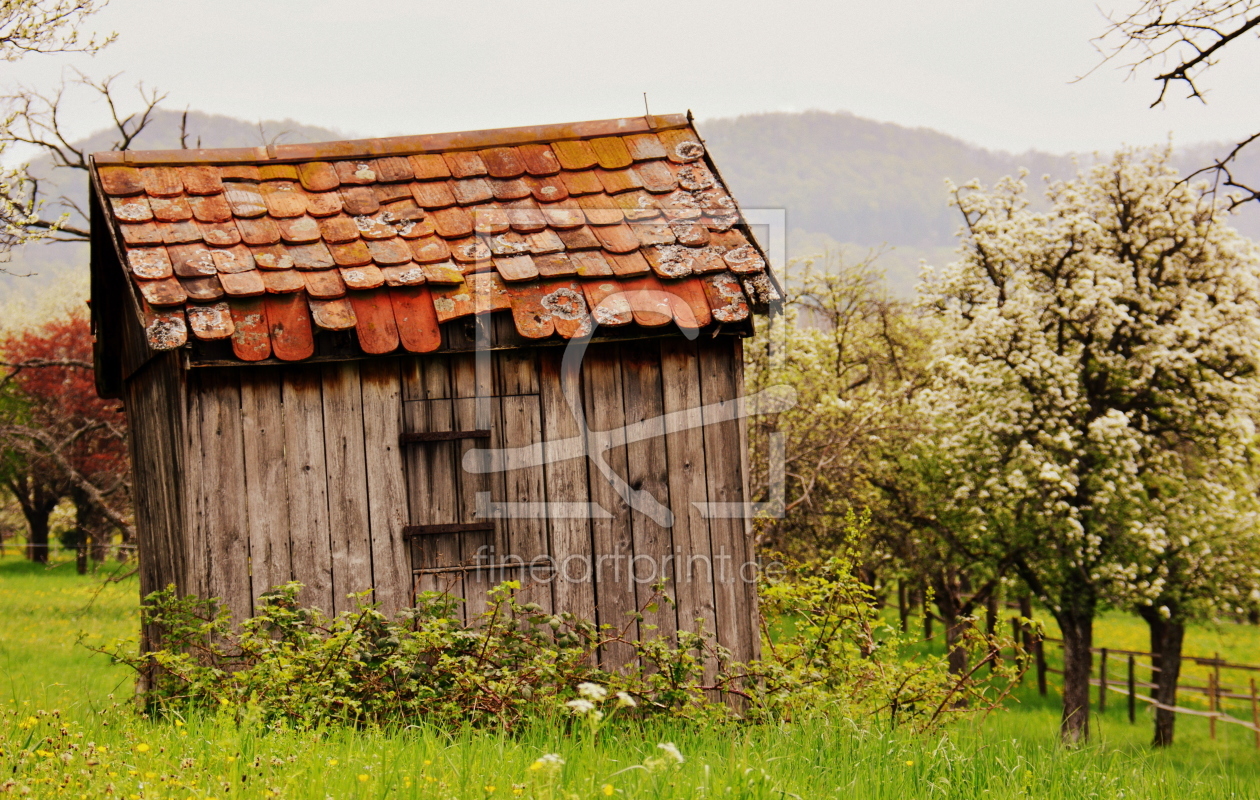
<point x="67" y="730"/>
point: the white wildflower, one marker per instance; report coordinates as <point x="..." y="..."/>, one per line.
<point x="671" y="750"/>
<point x="592" y="691"/>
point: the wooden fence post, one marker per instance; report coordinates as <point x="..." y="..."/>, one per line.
<point x="1040" y="650"/>
<point x="1102" y="681"/>
<point x="903" y="605"/>
<point x="1212" y="703"/>
<point x="1019" y="662"/>
<point x="1133" y="692"/>
<point x="1255" y="713"/>
<point x="927" y="618"/>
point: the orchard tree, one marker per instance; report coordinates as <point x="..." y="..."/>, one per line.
<point x="1207" y="564"/>
<point x="851" y="353"/>
<point x="1092" y="362"/>
<point x="57" y="438"/>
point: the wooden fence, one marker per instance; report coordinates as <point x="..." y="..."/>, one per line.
<point x="1129" y="685"/>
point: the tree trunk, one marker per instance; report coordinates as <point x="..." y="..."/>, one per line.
<point x="37" y="503"/>
<point x="1167" y="636"/>
<point x="949" y="602"/>
<point x="37" y="536"/>
<point x="1077" y="624"/>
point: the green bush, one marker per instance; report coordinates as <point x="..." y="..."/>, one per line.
<point x="825" y="648"/>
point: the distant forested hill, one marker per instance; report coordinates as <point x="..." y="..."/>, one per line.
<point x="846" y="183"/>
<point x="854" y="179"/>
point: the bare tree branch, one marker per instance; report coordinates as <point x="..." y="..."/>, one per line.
<point x="37" y="120"/>
<point x="1181" y="40"/>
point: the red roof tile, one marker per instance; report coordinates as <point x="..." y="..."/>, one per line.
<point x="539" y="159"/>
<point x="289" y="323"/>
<point x="336" y="314"/>
<point x="318" y="176"/>
<point x="617" y="222"/>
<point x="574" y="154"/>
<point x="416" y="320"/>
<point x="282" y="281"/>
<point x="393" y="169"/>
<point x="283" y="199"/>
<point x="211" y="322"/>
<point x="203" y="289"/>
<point x="590" y="263"/>
<point x="162" y="181"/>
<point x="131" y="209"/>
<point x="121" y="180"/>
<point x="243" y="284"/>
<point x="278" y="172"/>
<point x="503" y="162"/>
<point x="210" y="208"/>
<point x="433" y="194"/>
<point x="464" y="165"/>
<point x="350" y="254"/>
<point x="324" y="284"/>
<point x="170" y="209"/>
<point x="429" y="166"/>
<point x="583" y="182"/>
<point x="262" y="231"/>
<point x="322" y="204"/>
<point x="374" y="315"/>
<point x="251" y="337"/>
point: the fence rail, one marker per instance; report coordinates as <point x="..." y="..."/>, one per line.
<point x="1128" y="686"/>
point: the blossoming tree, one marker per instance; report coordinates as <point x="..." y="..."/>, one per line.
<point x="1095" y="362"/>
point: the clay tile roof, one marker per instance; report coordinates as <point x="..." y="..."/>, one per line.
<point x="618" y="222"/>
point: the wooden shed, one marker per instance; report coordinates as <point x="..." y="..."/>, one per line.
<point x="344" y="364"/>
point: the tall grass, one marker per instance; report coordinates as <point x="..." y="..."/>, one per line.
<point x="82" y="743"/>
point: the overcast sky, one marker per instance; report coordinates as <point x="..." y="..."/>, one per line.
<point x="998" y="73"/>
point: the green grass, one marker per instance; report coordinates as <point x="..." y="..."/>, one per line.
<point x="56" y="700"/>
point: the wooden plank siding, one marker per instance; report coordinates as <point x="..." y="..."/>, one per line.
<point x="692" y="583"/>
<point x="249" y="477"/>
<point x="154" y="401"/>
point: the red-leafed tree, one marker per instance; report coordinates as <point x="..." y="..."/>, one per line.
<point x="57" y="438"/>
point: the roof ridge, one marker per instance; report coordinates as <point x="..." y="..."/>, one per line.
<point x="397" y="145"/>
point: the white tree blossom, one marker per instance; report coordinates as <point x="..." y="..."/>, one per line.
<point x="1095" y="378"/>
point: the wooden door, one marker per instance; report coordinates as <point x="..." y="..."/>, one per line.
<point x="470" y="531"/>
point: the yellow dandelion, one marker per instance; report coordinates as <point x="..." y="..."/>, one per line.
<point x="489" y="789"/>
<point x="179" y="723"/>
<point x="332" y="762"/>
<point x="142" y="748"/>
<point x="427" y="762"/>
<point x="363" y="778"/>
<point x="909" y="763"/>
<point x="607" y="789"/>
<point x="150" y="775"/>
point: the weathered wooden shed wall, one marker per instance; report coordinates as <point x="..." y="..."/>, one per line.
<point x="250" y="476"/>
